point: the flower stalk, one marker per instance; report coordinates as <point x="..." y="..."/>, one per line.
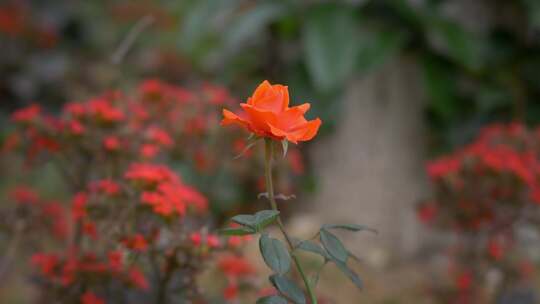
<point x="268" y="153"/>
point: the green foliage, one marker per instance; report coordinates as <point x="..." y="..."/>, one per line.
<point x="471" y="75"/>
<point x="275" y="254"/>
<point x="288" y="288"/>
<point x="272" y="300"/>
<point x="353" y="277"/>
<point x="349" y="227"/>
<point x="237" y="231"/>
<point x="258" y="221"/>
<point x="330" y="53"/>
<point x="333" y="246"/>
<point x="312" y="247"/>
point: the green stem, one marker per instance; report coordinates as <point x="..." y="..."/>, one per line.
<point x="270" y="190"/>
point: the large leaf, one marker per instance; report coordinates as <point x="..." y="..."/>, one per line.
<point x="250" y="23"/>
<point x="533" y="10"/>
<point x="378" y="47"/>
<point x="275" y="254"/>
<point x="330" y="45"/>
<point x="350" y="227"/>
<point x="334" y="246"/>
<point x="196" y="24"/>
<point x="288" y="288"/>
<point x="272" y="300"/>
<point x="349" y="273"/>
<point x="460" y="45"/>
<point x="441" y="87"/>
<point x="313" y="248"/>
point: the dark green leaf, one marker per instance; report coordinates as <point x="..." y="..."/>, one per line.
<point x="196" y="24"/>
<point x="257" y="221"/>
<point x="441" y="87"/>
<point x="378" y="47"/>
<point x="275" y="254"/>
<point x="350" y="227"/>
<point x="264" y="218"/>
<point x="244" y="219"/>
<point x="250" y="23"/>
<point x="349" y="273"/>
<point x="312" y="247"/>
<point x="533" y="11"/>
<point x="334" y="246"/>
<point x="288" y="288"/>
<point x="272" y="300"/>
<point x="459" y="44"/>
<point x="237" y="231"/>
<point x="329" y="46"/>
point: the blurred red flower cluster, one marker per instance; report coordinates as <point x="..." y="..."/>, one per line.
<point x="483" y="193"/>
<point x="124" y="217"/>
<point x="17" y="21"/>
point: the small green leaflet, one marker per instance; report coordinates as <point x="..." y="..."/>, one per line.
<point x="288" y="288"/>
<point x="334" y="246"/>
<point x="313" y="248"/>
<point x="349" y="273"/>
<point x="275" y="254"/>
<point x="350" y="227"/>
<point x="272" y="300"/>
<point x="237" y="231"/>
<point x="257" y="221"/>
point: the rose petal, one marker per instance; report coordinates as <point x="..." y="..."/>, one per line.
<point x="306" y="132"/>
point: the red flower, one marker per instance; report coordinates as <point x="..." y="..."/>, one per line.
<point x="427" y="213"/>
<point x="153" y="89"/>
<point x="27" y="114"/>
<point x="212" y="240"/>
<point x="495" y="250"/>
<point x="267" y="114"/>
<point x="464" y="280"/>
<point x="534" y="194"/>
<point x="76" y="128"/>
<point x="138" y="279"/>
<point x="235" y="241"/>
<point x="159" y="136"/>
<point x="103" y="110"/>
<point x="79" y="205"/>
<point x="12" y="20"/>
<point x="173" y="197"/>
<point x="137" y="242"/>
<point x="149" y="151"/>
<point x="111" y="143"/>
<point x="75" y="109"/>
<point x="24" y="195"/>
<point x="89" y="228"/>
<point x="150" y="173"/>
<point x="115" y="261"/>
<point x="106" y="186"/>
<point x="235" y="266"/>
<point x="55" y="214"/>
<point x="90" y="298"/>
<point x="230" y="292"/>
<point x="443" y="167"/>
<point x="196" y="239"/>
<point x="46" y="263"/>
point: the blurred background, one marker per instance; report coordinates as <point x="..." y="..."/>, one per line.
<point x="396" y="83"/>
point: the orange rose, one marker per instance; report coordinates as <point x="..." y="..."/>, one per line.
<point x="267" y="114"/>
